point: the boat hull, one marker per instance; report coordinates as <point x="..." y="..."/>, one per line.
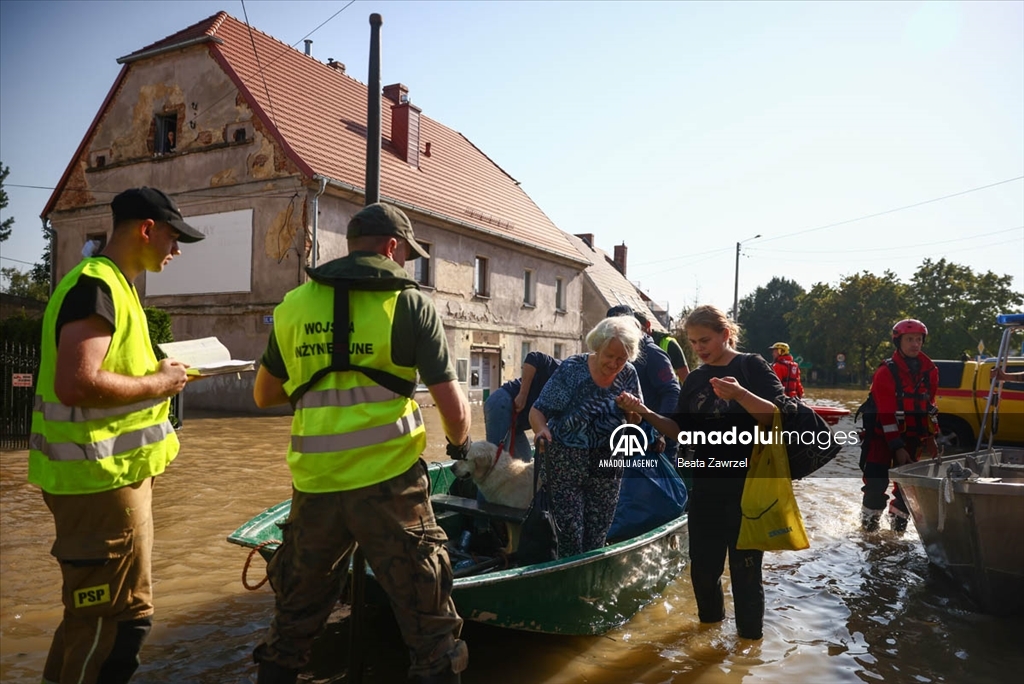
<point x="590" y="593"/>
<point x="972" y="528"/>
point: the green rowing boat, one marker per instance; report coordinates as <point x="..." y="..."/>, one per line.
<point x="586" y="594"/>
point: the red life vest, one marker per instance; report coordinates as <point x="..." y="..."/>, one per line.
<point x="906" y="401"/>
<point x="789" y="373"/>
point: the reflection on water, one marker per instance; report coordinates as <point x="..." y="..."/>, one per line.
<point x="854" y="607"/>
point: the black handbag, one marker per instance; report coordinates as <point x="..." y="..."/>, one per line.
<point x="806" y="452"/>
<point x="538" y="539"/>
<point x="805" y="458"/>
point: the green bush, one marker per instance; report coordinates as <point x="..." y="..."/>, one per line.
<point x="21" y="329"/>
<point x="159" y="328"/>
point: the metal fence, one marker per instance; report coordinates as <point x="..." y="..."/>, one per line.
<point x="19" y="368"/>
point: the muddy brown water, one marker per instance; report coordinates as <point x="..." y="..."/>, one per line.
<point x="852" y="608"/>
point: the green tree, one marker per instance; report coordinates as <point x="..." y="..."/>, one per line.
<point x="867" y="306"/>
<point x="960" y="306"/>
<point x="8" y="223"/>
<point x="23" y="284"/>
<point x="763" y="314"/>
<point x="854" y="319"/>
<point x="812" y="325"/>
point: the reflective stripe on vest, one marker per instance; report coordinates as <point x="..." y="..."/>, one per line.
<point x="129" y="441"/>
<point x="347" y="431"/>
<point x="358" y="439"/>
<point x="76" y="450"/>
<point x="57" y="412"/>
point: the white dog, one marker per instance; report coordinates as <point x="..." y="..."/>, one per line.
<point x="508" y="481"/>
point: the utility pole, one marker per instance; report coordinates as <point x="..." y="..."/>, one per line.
<point x="736" y="285"/>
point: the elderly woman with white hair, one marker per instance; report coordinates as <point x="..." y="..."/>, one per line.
<point x="577" y="413"/>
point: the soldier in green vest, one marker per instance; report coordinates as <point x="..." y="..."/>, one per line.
<point x="344" y="352"/>
<point x="100" y="435"/>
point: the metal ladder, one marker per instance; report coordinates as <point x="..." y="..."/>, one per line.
<point x="1011" y="323"/>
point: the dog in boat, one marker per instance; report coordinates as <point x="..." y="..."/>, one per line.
<point x="505" y="480"/>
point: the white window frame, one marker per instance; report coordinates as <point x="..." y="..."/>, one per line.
<point x="560" y="294"/>
<point x="482" y="277"/>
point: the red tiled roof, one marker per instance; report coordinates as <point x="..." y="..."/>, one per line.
<point x="613" y="287"/>
<point x="320" y="115"/>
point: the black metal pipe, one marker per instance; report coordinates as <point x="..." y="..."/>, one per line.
<point x="373" y="115"/>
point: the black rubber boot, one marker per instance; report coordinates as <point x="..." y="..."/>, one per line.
<point x="272" y="673"/>
<point x="898" y="523"/>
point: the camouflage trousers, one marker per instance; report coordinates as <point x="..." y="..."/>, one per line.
<point x="394" y="524"/>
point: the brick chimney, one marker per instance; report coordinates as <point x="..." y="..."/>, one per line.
<point x="337" y="66"/>
<point x="397" y="93"/>
<point x="620" y="258"/>
<point x="405" y="124"/>
<point x="588" y="238"/>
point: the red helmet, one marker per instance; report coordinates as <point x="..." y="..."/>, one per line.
<point x="908" y="326"/>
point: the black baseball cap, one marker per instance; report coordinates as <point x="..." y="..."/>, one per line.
<point x="150" y="203"/>
<point x="384" y="219"/>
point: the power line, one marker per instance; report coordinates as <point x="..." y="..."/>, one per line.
<point x="840" y="223"/>
<point x="879" y="249"/>
<point x="892" y="211"/>
<point x="279" y="56"/>
<point x="252" y="39"/>
<point x="684" y="256"/>
<point x="19" y="261"/>
<point x="890" y="257"/>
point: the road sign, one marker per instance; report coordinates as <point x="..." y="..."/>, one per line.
<point x="21" y="379"/>
<point x="267" y="320"/>
<point x="840" y="358"/>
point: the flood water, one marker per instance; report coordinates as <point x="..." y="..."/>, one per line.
<point x="854" y="607"/>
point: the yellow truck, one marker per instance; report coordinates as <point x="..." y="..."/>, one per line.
<point x="961" y="398"/>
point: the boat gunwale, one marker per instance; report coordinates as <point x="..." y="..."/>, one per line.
<point x="918" y="474"/>
<point x="244" y="537"/>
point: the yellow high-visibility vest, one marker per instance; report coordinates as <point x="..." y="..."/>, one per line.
<point x="74" y="450"/>
<point x="348" y="431"/>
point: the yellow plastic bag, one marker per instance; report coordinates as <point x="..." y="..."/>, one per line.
<point x="771" y="518"/>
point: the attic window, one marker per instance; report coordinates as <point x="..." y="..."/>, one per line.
<point x="166" y="133"/>
<point x="99" y="158"/>
<point x="238" y="132"/>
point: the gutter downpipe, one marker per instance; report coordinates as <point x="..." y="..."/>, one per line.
<point x="315" y="248"/>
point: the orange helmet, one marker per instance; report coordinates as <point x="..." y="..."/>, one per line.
<point x="908" y="326"/>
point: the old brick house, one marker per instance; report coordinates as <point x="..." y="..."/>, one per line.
<point x="271" y="166"/>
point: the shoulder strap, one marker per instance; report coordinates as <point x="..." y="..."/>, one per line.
<point x="896" y="379"/>
<point x="340" y="359"/>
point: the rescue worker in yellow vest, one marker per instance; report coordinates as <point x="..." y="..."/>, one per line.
<point x="344" y="351"/>
<point x="100" y="435"/>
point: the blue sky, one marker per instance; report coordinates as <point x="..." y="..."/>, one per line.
<point x="677" y="128"/>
